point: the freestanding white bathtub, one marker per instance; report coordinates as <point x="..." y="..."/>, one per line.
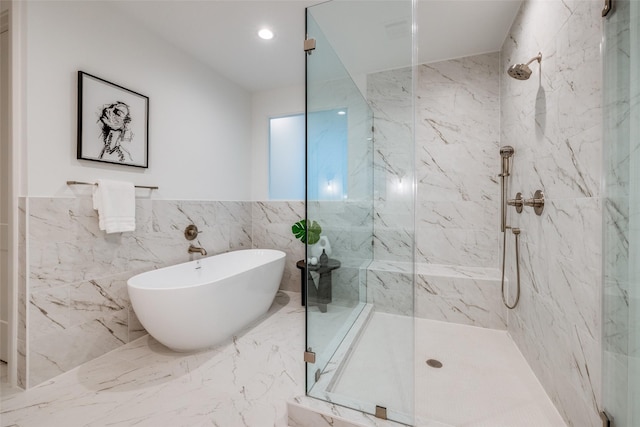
<point x="198" y="304"/>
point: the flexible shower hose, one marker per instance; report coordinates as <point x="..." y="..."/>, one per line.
<point x="516" y="232"/>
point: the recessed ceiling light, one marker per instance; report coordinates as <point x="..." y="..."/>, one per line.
<point x="265" y="34"/>
<point x="342" y="113"/>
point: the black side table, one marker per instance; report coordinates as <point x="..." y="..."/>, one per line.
<point x="322" y="295"/>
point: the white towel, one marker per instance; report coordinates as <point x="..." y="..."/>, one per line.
<point x="115" y="202"/>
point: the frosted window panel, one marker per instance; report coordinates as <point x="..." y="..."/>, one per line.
<point x="286" y="158"/>
<point x="327" y="156"/>
<point x="327" y="177"/>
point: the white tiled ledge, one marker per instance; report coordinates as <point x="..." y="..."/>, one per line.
<point x="426" y="269"/>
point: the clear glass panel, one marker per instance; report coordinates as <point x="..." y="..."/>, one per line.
<point x="360" y="326"/>
<point x="621" y="291"/>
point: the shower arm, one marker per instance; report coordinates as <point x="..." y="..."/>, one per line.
<point x="538" y="58"/>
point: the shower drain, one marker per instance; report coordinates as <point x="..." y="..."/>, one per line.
<point x="434" y="363"/>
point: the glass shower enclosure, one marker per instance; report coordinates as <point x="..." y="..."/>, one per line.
<point x="621" y="213"/>
<point x="359" y="201"/>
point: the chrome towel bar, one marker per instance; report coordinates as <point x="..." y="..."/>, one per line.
<point x="93" y="183"/>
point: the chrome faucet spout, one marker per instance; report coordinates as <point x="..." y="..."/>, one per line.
<point x="194" y="249"/>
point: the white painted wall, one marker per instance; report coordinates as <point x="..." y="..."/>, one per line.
<point x="264" y="105"/>
<point x="200" y="131"/>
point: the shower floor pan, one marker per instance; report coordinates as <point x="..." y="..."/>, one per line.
<point x="484" y="380"/>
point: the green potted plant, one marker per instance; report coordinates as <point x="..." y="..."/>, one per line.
<point x="309" y="235"/>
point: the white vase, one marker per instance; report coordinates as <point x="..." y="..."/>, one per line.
<point x="315" y="250"/>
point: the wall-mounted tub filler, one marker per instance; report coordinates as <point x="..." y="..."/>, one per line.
<point x="197" y="250"/>
<point x="190" y="233"/>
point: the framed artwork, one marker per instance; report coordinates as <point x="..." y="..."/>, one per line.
<point x="113" y="123"/>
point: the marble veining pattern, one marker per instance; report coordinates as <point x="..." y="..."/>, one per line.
<point x="457" y="118"/>
<point x="553" y="120"/>
<point x="243" y="382"/>
<point x="464" y="295"/>
<point x="77" y="301"/>
<point x="271" y="229"/>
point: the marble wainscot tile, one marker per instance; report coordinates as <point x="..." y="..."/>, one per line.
<point x="58" y="263"/>
<point x="272" y="223"/>
<point x="245" y="381"/>
<point x="55" y="353"/>
<point x="224" y="225"/>
<point x="49" y="311"/>
<point x="23" y="308"/>
<point x="98" y="298"/>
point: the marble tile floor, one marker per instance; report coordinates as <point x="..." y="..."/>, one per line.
<point x="248" y="380"/>
<point x="243" y="382"/>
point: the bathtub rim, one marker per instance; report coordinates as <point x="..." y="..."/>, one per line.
<point x="206" y="282"/>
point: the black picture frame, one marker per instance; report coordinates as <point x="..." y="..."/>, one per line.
<point x="113" y="123"/>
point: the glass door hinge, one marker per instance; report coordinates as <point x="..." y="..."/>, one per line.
<point x="309" y="357"/>
<point x="309" y="45"/>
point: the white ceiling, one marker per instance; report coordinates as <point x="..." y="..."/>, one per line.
<point x="367" y="35"/>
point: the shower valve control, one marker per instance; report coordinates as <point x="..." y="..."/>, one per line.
<point x="191" y="232"/>
<point x="537" y="203"/>
<point x="518" y="202"/>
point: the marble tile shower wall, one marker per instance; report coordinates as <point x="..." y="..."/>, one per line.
<point x="554" y="122"/>
<point x="457" y="144"/>
<point x="348" y="226"/>
<point x="456" y="163"/>
<point x="78" y="306"/>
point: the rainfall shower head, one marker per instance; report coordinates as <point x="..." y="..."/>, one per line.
<point x="522" y="71"/>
